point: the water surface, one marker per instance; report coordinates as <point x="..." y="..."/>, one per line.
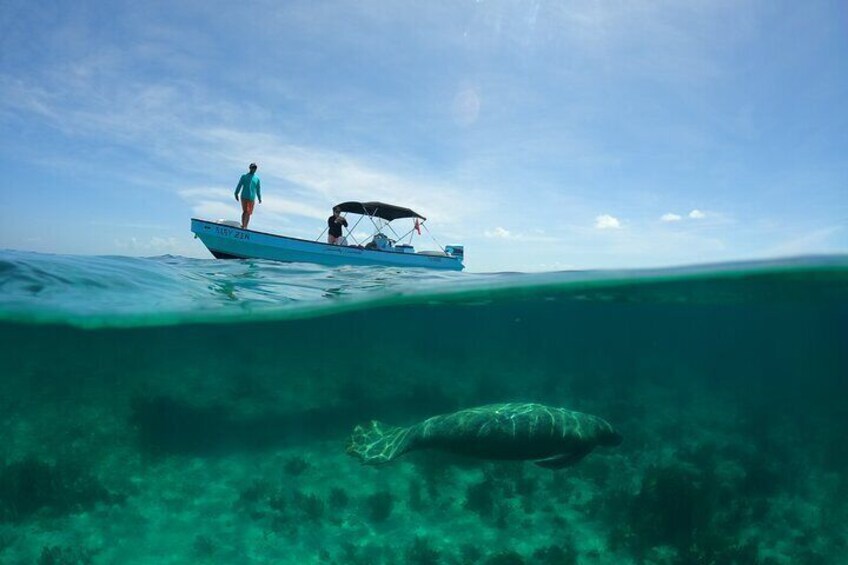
<point x="171" y="410"/>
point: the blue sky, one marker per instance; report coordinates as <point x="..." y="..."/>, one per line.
<point x="542" y="135"/>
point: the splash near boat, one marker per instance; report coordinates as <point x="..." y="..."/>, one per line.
<point x="182" y="410"/>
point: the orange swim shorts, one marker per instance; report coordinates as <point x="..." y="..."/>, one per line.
<point x="247" y="205"/>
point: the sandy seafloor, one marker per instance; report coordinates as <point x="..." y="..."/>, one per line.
<point x="225" y="442"/>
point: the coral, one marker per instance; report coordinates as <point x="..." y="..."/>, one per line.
<point x="480" y="498"/>
<point x="595" y="469"/>
<point x="505" y="558"/>
<point x="29" y="486"/>
<point x="502" y="515"/>
<point x="501" y="482"/>
<point x="416" y="502"/>
<point x="253" y="499"/>
<point x="526" y="486"/>
<point x="420" y="552"/>
<point x="253" y="493"/>
<point x="379" y="506"/>
<point x="366" y="554"/>
<point x="555" y="555"/>
<point x="166" y="425"/>
<point x="809" y="556"/>
<point x="470" y="554"/>
<point x="559" y="487"/>
<point x="295" y="466"/>
<point x="8" y="537"/>
<point x="349" y="554"/>
<point x="281" y="512"/>
<point x="310" y="506"/>
<point x="56" y="555"/>
<point x="435" y="472"/>
<point x="693" y="510"/>
<point x="671" y="506"/>
<point x="203" y="546"/>
<point x="277" y="501"/>
<point x="338" y="499"/>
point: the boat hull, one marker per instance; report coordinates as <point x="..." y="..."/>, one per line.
<point x="227" y="242"/>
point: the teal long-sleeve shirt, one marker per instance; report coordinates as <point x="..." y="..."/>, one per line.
<point x="250" y="183"/>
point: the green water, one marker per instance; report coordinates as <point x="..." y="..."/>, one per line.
<point x="160" y="435"/>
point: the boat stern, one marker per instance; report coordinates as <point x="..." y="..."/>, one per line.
<point x="457" y="251"/>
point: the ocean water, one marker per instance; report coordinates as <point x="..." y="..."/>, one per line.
<point x="170" y="410"/>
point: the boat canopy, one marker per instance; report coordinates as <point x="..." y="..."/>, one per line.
<point x="388" y="212"/>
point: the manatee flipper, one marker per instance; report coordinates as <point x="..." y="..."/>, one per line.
<point x="565" y="460"/>
<point x="378" y="443"/>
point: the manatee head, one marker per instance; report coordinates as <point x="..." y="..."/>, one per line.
<point x="604" y="433"/>
<point x="611" y="439"/>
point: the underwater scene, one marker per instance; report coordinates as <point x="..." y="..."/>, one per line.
<point x="174" y="410"/>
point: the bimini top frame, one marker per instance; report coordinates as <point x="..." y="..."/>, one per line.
<point x="388" y="212"/>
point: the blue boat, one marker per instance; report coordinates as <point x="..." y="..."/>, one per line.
<point x="228" y="240"/>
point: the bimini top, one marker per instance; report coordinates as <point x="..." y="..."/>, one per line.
<point x="387" y="212"/>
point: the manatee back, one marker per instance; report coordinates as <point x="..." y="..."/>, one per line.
<point x="503" y="431"/>
<point x="495" y="431"/>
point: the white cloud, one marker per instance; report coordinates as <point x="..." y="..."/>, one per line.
<point x="285" y="206"/>
<point x="318" y="178"/>
<point x="822" y="240"/>
<point x="215" y="210"/>
<point x="498" y="232"/>
<point x="607" y="222"/>
<point x="173" y="120"/>
<point x="697" y="215"/>
<point x="556" y="266"/>
<point x="670" y="217"/>
<point x="466" y="106"/>
<point x="536" y="236"/>
<point x="206" y="192"/>
<point x="153" y="245"/>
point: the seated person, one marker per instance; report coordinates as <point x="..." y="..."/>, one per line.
<point x="379" y="241"/>
<point x="334" y="226"/>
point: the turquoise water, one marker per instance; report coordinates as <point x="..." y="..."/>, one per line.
<point x="171" y="410"/>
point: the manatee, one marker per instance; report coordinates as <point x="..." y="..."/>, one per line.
<point x="551" y="437"/>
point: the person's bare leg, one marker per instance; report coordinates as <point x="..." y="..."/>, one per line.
<point x="245" y="219"/>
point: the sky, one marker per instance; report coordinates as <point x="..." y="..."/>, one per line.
<point x="541" y="135"/>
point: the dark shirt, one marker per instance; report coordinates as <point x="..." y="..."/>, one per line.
<point x="336" y="227"/>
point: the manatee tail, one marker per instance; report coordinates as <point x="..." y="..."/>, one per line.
<point x="377" y="443"/>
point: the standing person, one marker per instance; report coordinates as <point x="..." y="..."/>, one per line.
<point x="334" y="225"/>
<point x="248" y="184"/>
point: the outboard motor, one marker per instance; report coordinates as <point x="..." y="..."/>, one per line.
<point x="381" y="241"/>
<point x="457" y="251"/>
